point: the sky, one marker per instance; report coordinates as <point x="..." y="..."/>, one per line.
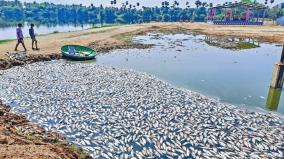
<point x="142" y="2"/>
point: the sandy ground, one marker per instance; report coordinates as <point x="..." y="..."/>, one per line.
<point x="113" y="37"/>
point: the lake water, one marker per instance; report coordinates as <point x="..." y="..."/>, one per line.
<point x="240" y="77"/>
<point x="10" y="32"/>
<point x="123" y="113"/>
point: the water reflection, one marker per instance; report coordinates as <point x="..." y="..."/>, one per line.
<point x="232" y="42"/>
<point x="273" y="98"/>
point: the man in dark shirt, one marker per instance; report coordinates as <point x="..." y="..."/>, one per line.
<point x="32" y="35"/>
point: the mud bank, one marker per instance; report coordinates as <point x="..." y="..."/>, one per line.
<point x="19" y="138"/>
<point x="21" y="58"/>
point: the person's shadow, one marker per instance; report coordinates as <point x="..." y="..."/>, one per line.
<point x="38" y="49"/>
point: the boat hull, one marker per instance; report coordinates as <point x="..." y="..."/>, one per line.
<point x="89" y="54"/>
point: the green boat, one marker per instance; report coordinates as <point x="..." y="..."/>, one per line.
<point x="78" y="53"/>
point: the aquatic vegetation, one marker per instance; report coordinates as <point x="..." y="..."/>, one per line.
<point x="230" y="43"/>
<point x="80" y="151"/>
<point x="245" y="45"/>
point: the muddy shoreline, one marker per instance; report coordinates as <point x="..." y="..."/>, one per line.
<point x="11" y="62"/>
<point x="20" y="138"/>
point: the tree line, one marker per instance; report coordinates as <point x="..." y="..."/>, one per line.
<point x="125" y="13"/>
<point x="12" y="12"/>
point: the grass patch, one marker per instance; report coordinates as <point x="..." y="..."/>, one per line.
<point x="104" y="30"/>
<point x="124" y="37"/>
<point x="5" y="41"/>
<point x="233" y="45"/>
<point x="94" y="32"/>
<point x="105" y="26"/>
<point x="38" y="137"/>
<point x="246" y="45"/>
<point x="211" y="43"/>
<point x="34" y="137"/>
<point x="79" y="151"/>
<point x="50" y="140"/>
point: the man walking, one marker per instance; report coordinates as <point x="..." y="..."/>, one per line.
<point x="32" y="35"/>
<point x="20" y="37"/>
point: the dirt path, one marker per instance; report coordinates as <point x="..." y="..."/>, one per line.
<point x="112" y="37"/>
<point x="53" y="42"/>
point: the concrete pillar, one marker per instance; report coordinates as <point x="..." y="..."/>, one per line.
<point x="277" y="77"/>
<point x="276" y="85"/>
<point x="278" y="73"/>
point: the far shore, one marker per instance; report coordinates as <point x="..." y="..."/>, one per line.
<point x="113" y="37"/>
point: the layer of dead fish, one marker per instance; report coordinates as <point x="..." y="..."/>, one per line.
<point x="114" y="113"/>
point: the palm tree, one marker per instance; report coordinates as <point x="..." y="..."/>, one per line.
<point x="271" y="2"/>
<point x="176" y="3"/>
<point x="187" y="5"/>
<point x="101" y="14"/>
<point x="197" y="3"/>
<point x="167" y="3"/>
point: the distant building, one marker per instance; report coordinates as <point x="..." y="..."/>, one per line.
<point x="245" y="12"/>
<point x="281" y="5"/>
<point x="280" y="21"/>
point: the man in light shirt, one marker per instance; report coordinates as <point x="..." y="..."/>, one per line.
<point x="20" y="37"/>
